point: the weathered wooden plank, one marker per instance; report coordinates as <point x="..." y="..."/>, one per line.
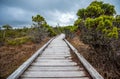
<point x="94" y="74"/>
<point x="46" y="59"/>
<point x="54" y="64"/>
<point x="48" y="50"/>
<point x="52" y="60"/>
<point x="55" y="78"/>
<point x="50" y="74"/>
<point x="55" y="68"/>
<point x="54" y="57"/>
<point x="58" y="47"/>
<point x="55" y="53"/>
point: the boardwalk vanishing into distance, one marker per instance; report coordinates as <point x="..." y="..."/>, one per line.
<point x="57" y="59"/>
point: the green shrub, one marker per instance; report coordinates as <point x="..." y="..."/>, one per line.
<point x="18" y="41"/>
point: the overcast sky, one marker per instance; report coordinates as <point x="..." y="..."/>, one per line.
<point x="18" y="13"/>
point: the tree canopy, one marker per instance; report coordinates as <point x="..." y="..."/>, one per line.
<point x="96" y="9"/>
<point x="38" y="19"/>
<point x="7" y="27"/>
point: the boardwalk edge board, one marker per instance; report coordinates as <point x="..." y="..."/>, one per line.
<point x="93" y="73"/>
<point x="25" y="65"/>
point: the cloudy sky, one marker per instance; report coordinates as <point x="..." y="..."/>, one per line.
<point x="18" y="13"/>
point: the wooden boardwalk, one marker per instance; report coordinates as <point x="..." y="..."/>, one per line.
<point x="55" y="62"/>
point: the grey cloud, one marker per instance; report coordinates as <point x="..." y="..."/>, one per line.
<point x="15" y="16"/>
<point x="36" y="5"/>
<point x="19" y="12"/>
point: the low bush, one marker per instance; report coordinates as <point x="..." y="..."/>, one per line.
<point x="18" y="41"/>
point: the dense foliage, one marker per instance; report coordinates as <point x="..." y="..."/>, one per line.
<point x="96" y="9"/>
<point x="100" y="29"/>
<point x="69" y="31"/>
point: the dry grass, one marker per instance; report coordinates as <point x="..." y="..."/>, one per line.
<point x="81" y="47"/>
<point x="11" y="57"/>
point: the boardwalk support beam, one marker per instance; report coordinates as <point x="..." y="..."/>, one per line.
<point x="93" y="73"/>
